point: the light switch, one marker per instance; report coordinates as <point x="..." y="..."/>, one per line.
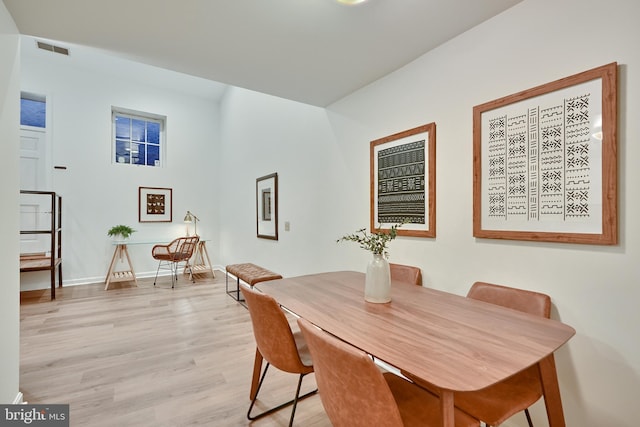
<point x="287" y="226"/>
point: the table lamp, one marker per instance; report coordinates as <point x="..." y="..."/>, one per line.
<point x="188" y="219"/>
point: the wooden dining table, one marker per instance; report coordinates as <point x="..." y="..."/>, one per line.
<point x="452" y="342"/>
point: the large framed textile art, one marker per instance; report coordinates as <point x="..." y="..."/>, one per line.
<point x="545" y="162"/>
<point x="403" y="182"/>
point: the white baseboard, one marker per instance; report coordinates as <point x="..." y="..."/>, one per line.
<point x="45" y="283"/>
<point x="18" y="400"/>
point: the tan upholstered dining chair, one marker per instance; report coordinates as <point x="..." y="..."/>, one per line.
<point x="499" y="402"/>
<point x="277" y="344"/>
<point x="180" y="250"/>
<point x="406" y="273"/>
<point x="355" y="393"/>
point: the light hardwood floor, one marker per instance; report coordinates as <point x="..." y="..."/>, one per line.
<point x="145" y="356"/>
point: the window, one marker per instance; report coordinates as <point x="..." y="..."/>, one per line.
<point x="32" y="110"/>
<point x="138" y="138"/>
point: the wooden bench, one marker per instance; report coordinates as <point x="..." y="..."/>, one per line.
<point x="249" y="274"/>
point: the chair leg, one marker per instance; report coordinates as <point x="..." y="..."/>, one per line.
<point x="294" y="401"/>
<point x="526" y="412"/>
<point x="174" y="275"/>
<point x="190" y="272"/>
<point x="187" y="266"/>
<point x="157" y="271"/>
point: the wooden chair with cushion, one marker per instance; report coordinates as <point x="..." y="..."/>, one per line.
<point x="180" y="250"/>
<point x="354" y="392"/>
<point x="406" y="273"/>
<point x="495" y="404"/>
<point x="277" y="344"/>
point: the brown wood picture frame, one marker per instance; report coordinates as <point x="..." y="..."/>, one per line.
<point x="545" y="162"/>
<point x="403" y="182"/>
<point x="267" y="206"/>
<point x="155" y="204"/>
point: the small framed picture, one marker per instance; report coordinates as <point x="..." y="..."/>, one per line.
<point x="267" y="206"/>
<point x="154" y="204"/>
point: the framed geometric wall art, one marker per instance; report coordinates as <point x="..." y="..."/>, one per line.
<point x="403" y="182"/>
<point x="545" y="162"/>
<point x="154" y="204"/>
<point x="267" y="206"/>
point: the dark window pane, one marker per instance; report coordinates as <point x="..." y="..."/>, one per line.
<point x="137" y="130"/>
<point x="153" y="132"/>
<point x="32" y="113"/>
<point x="123" y="127"/>
<point x="122" y="151"/>
<point x="153" y="155"/>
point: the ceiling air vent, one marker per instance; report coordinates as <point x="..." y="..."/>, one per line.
<point x="52" y="48"/>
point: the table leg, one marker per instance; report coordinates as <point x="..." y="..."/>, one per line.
<point x="204" y="254"/>
<point x="551" y="391"/>
<point x="257" y="368"/>
<point x="118" y="254"/>
<point x="133" y="273"/>
<point x="447" y="408"/>
<point x="201" y="261"/>
<point x="107" y="280"/>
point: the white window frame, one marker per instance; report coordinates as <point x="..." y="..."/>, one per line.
<point x="139" y="115"/>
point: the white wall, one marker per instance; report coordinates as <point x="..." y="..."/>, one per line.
<point x="10" y="285"/>
<point x="98" y="194"/>
<point x="264" y="134"/>
<point x="595" y="289"/>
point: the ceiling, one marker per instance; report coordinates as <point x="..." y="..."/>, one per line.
<point x="311" y="51"/>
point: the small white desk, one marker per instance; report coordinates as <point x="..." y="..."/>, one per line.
<point x="201" y="262"/>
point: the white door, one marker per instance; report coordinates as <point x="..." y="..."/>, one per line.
<point x="34" y="210"/>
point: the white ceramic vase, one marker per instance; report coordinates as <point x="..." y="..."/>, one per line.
<point x="377" y="287"/>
